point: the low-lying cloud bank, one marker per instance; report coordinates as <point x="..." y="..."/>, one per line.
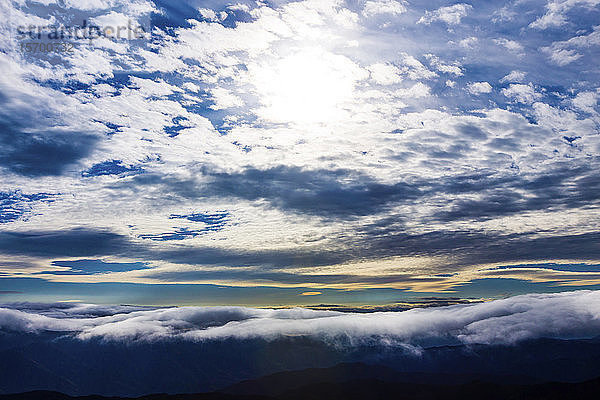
<point x="561" y="315"/>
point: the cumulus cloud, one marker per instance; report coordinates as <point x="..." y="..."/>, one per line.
<point x="453" y="68"/>
<point x="521" y="93"/>
<point x="507" y="321"/>
<point x="586" y="101"/>
<point x="385" y="74"/>
<point x="451" y="15"/>
<point x="392" y="7"/>
<point x="479" y="87"/>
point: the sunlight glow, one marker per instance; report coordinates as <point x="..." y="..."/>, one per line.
<point x="309" y="86"/>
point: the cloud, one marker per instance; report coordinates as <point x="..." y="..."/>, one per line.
<point x="377" y="7"/>
<point x="514" y="76"/>
<point x="511" y="45"/>
<point x="563" y="56"/>
<point x="451" y="15"/>
<point x="337" y="193"/>
<point x="15" y="205"/>
<point x="385" y="74"/>
<point x="453" y="68"/>
<point x="521" y="93"/>
<point x="557" y="12"/>
<point x="567" y="51"/>
<point x="586" y="101"/>
<point x="35" y="151"/>
<point x="479" y="87"/>
<point x="507" y="321"/>
<point x="76" y="242"/>
<point x="36" y="140"/>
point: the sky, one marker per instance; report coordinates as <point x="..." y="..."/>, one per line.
<point x="293" y="153"/>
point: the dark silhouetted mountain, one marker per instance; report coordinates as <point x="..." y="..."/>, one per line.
<point x="283" y="382"/>
<point x="52" y="361"/>
<point x="351" y="381"/>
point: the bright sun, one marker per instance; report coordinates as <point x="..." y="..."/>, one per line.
<point x="308" y="86"/>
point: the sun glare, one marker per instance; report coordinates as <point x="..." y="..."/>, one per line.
<point x="309" y="86"/>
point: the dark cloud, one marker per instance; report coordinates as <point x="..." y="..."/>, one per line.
<point x="472" y="248"/>
<point x="76" y="242"/>
<point x="566" y="186"/>
<point x="344" y="194"/>
<point x="336" y="193"/>
<point x="328" y="193"/>
<point x="41" y="152"/>
<point x="31" y="145"/>
<point x="458" y="248"/>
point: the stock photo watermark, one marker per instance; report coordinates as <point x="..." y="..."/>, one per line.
<point x="61" y="38"/>
<point x="52" y="31"/>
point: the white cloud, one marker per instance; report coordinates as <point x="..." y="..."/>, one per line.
<point x="447" y="68"/>
<point x="564" y="52"/>
<point x="511" y="45"/>
<point x="223" y="98"/>
<point x="562" y="315"/>
<point x="479" y="87"/>
<point x="556" y="12"/>
<point x="586" y="101"/>
<point x="468" y="43"/>
<point x="451" y="15"/>
<point x="418" y="90"/>
<point x="415" y="69"/>
<point x="209" y="14"/>
<point x="522" y="93"/>
<point x="377" y="7"/>
<point x="564" y="121"/>
<point x="385" y="74"/>
<point x="514" y="76"/>
<point x="563" y="57"/>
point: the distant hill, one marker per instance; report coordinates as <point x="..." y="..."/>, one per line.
<point x="66" y="365"/>
<point x="360" y="381"/>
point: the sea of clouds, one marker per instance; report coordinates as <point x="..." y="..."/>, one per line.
<point x="567" y="315"/>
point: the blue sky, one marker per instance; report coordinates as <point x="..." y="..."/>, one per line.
<point x="369" y="151"/>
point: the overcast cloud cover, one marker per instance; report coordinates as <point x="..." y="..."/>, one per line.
<point x="569" y="315"/>
<point x="321" y="144"/>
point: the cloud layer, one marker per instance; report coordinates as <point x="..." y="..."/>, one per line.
<point x="566" y="315"/>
